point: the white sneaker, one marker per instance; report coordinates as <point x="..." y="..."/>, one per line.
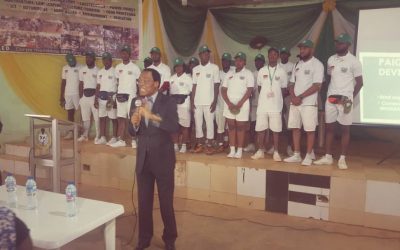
<point x="312" y="155"/>
<point x="231" y="154"/>
<point x="276" y="156"/>
<point x="324" y="160"/>
<point x="307" y="160"/>
<point x="342" y="164"/>
<point x="295" y="158"/>
<point x="183" y="149"/>
<point x="289" y="151"/>
<point x="82" y="138"/>
<point x="176" y="148"/>
<point x="249" y="148"/>
<point x="119" y="143"/>
<point x="96" y="139"/>
<point x="69" y="135"/>
<point x="271" y="150"/>
<point x="133" y="143"/>
<point x="258" y="155"/>
<point x="112" y="141"/>
<point x="238" y="155"/>
<point x="102" y="140"/>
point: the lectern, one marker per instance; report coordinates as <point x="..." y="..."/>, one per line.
<point x="47" y="147"/>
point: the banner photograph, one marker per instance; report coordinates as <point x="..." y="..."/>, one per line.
<point x="60" y="26"/>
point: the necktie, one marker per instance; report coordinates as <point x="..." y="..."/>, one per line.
<point x="150" y="106"/>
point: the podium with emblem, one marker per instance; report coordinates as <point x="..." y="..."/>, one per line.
<point x="48" y="150"/>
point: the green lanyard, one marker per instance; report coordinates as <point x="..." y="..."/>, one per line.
<point x="271" y="77"/>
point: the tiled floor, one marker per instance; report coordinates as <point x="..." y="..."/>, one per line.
<point x="209" y="226"/>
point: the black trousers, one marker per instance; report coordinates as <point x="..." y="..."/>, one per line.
<point x="165" y="184"/>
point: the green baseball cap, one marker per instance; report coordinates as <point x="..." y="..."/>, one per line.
<point x="90" y="53"/>
<point x="240" y="55"/>
<point x="194" y="60"/>
<point x="70" y="57"/>
<point x="306" y="43"/>
<point x="148" y="59"/>
<point x="226" y="56"/>
<point x="273" y="49"/>
<point x="106" y="55"/>
<point x="284" y="50"/>
<point x="204" y="48"/>
<point x="126" y="48"/>
<point x="155" y="50"/>
<point x="260" y="57"/>
<point x="178" y="61"/>
<point x="344" y="38"/>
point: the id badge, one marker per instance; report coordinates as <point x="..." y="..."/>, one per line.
<point x="270" y="94"/>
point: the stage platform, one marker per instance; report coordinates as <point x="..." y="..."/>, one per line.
<point x="366" y="194"/>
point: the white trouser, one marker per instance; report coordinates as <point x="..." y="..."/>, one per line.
<point x="200" y="112"/>
<point x="87" y="109"/>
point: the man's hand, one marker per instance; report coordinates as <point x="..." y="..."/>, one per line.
<point x="62" y="102"/>
<point x="96" y="103"/>
<point x="231" y="106"/>
<point x="146" y="113"/>
<point x="213" y="106"/>
<point x="135" y="118"/>
<point x="296" y="101"/>
<point x="192" y="107"/>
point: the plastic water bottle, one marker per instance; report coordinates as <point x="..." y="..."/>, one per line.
<point x="11" y="186"/>
<point x="70" y="195"/>
<point x="31" y="191"/>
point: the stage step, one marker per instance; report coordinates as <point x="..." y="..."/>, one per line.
<point x="20" y="166"/>
<point x="15" y="160"/>
<point x="22" y="149"/>
<point x="17" y="149"/>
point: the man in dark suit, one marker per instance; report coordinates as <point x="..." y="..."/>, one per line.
<point x="154" y="118"/>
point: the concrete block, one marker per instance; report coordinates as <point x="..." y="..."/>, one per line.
<point x="223" y="179"/>
<point x="347" y="194"/>
<point x="198" y="175"/>
<point x="7" y="165"/>
<point x="250" y="202"/>
<point x="21" y="168"/>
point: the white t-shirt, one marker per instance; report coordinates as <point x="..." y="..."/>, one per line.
<point x="71" y="77"/>
<point x="270" y="99"/>
<point x="204" y="77"/>
<point x="304" y="76"/>
<point x="237" y="84"/>
<point x="255" y="94"/>
<point x="164" y="71"/>
<point x="107" y="80"/>
<point x="288" y="67"/>
<point x="181" y="85"/>
<point x="343" y="70"/>
<point x="222" y="75"/>
<point x="127" y="75"/>
<point x="88" y="77"/>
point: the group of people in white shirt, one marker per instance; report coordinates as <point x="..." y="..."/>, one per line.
<point x="278" y="96"/>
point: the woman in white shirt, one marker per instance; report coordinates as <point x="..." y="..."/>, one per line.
<point x="236" y="90"/>
<point x="180" y="89"/>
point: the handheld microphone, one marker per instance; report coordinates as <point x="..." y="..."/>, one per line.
<point x="138" y="103"/>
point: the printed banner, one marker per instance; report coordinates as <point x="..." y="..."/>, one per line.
<point x="380" y="95"/>
<point x="62" y="26"/>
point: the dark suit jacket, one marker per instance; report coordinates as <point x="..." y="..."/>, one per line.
<point x="155" y="142"/>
